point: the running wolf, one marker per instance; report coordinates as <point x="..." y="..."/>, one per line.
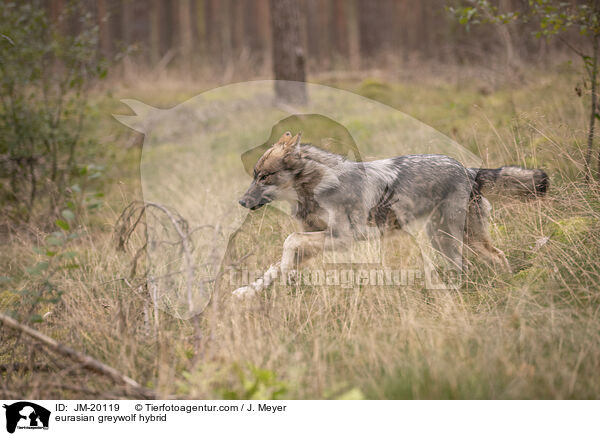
<point x="338" y="200"/>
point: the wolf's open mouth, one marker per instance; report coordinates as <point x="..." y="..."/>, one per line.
<point x="261" y="204"/>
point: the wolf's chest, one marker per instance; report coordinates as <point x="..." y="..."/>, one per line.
<point x="313" y="217"/>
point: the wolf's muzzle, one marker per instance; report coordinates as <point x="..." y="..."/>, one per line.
<point x="252" y="203"/>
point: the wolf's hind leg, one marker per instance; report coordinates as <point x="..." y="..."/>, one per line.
<point x="448" y="233"/>
<point x="477" y="234"/>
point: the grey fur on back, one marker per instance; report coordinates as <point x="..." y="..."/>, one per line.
<point x="414" y="183"/>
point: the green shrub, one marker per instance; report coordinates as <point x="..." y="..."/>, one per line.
<point x="46" y="68"/>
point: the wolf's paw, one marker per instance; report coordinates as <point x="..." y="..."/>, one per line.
<point x="244" y="292"/>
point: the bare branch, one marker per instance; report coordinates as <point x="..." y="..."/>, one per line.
<point x="129" y="220"/>
<point x="571" y="47"/>
<point x="86" y="361"/>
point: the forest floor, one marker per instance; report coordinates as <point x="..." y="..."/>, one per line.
<point x="532" y="333"/>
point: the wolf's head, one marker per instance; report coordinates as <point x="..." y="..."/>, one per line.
<point x="274" y="173"/>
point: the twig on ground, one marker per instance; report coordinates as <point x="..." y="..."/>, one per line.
<point x="86" y="361"/>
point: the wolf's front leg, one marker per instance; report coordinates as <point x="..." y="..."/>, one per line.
<point x="298" y="247"/>
<point x="262" y="283"/>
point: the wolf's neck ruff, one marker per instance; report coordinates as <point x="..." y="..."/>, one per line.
<point x="312" y="167"/>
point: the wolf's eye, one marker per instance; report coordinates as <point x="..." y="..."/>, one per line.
<point x="263" y="177"/>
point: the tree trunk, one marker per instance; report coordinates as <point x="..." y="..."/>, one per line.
<point x="236" y="17"/>
<point x="590" y="141"/>
<point x="369" y="28"/>
<point x="199" y="27"/>
<point x="155" y="32"/>
<point x="211" y="18"/>
<point x="264" y="31"/>
<point x="353" y="35"/>
<point x="126" y="22"/>
<point x="341" y="28"/>
<point x="594" y="104"/>
<point x="103" y="28"/>
<point x="224" y="35"/>
<point x="185" y="35"/>
<point x="288" y="52"/>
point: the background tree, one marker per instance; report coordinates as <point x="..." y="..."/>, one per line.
<point x="553" y="18"/>
<point x="288" y="52"/>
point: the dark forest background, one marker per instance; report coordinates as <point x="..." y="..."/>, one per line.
<point x="233" y="37"/>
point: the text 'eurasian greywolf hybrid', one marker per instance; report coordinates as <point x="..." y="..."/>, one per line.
<point x="339" y="200"/>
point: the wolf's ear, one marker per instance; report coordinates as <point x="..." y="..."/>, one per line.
<point x="293" y="142"/>
<point x="284" y="138"/>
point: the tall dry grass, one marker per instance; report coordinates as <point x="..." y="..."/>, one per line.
<point x="533" y="333"/>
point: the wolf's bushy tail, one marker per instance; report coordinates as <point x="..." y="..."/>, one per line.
<point x="512" y="180"/>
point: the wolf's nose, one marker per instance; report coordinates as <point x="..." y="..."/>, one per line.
<point x="243" y="202"/>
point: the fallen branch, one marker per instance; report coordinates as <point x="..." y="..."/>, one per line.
<point x="85" y="361"/>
